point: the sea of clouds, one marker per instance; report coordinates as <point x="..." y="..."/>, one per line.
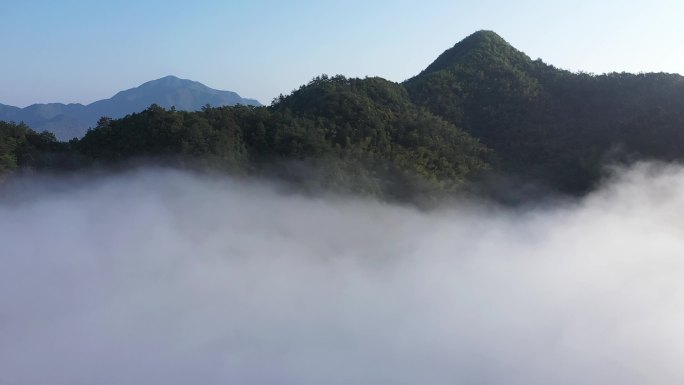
<point x="165" y="277"/>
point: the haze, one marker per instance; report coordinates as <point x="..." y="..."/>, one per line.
<point x="165" y="277"/>
<point x="82" y="51"/>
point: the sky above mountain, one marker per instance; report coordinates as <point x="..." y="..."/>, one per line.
<point x="82" y="51"/>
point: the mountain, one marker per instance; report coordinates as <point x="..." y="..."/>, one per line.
<point x="480" y="78"/>
<point x="480" y="48"/>
<point x="357" y="135"/>
<point x="67" y="121"/>
<point x="547" y="125"/>
<point x="482" y="117"/>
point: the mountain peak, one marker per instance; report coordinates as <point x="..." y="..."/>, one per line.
<point x="72" y="120"/>
<point x="475" y="48"/>
<point x="484" y="34"/>
<point x="172" y="77"/>
<point x="173" y="91"/>
<point x="171" y="81"/>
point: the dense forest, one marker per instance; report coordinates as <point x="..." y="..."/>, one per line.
<point x="549" y="125"/>
<point x="483" y="110"/>
<point x="25" y="149"/>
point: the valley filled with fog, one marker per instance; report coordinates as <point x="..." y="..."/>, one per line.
<point x="157" y="276"/>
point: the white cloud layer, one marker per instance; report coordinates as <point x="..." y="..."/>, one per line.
<point x="162" y="277"/>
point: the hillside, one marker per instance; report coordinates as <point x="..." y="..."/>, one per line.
<point x="360" y="135"/>
<point x="69" y="121"/>
<point x="482" y="117"/>
<point x="548" y="125"/>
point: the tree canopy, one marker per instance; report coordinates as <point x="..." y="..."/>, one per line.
<point x="482" y="108"/>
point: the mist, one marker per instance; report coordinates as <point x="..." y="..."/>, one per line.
<point x="166" y="277"/>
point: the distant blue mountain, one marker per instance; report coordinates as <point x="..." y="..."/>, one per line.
<point x="68" y="121"/>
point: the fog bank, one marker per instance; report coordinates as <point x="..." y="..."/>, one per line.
<point x="164" y="277"/>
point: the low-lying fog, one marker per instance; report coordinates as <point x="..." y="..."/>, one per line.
<point x="163" y="277"/>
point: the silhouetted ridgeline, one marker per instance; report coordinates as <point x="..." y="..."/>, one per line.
<point x="482" y="108"/>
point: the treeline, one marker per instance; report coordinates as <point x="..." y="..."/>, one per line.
<point x="356" y="135"/>
<point x="548" y="125"/>
<point x="23" y="148"/>
<point x="482" y="109"/>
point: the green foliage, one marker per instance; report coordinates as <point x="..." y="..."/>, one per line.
<point x="552" y="126"/>
<point x="21" y="147"/>
<point x="157" y="132"/>
<point x="373" y="123"/>
<point x="481" y="106"/>
<point x="364" y="134"/>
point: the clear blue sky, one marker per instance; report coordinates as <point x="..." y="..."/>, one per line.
<point x="81" y="51"/>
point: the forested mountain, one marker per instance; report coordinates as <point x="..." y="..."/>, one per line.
<point x="549" y="125"/>
<point x="361" y="135"/>
<point x="69" y="121"/>
<point x="483" y="110"/>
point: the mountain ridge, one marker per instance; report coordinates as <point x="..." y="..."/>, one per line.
<point x="550" y="125"/>
<point x="481" y="111"/>
<point x="72" y="120"/>
<point x="485" y="43"/>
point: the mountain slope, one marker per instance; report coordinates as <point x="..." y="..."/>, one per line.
<point x="479" y="48"/>
<point x="67" y="121"/>
<point x="358" y="135"/>
<point x="548" y="125"/>
<point x="167" y="92"/>
<point x="481" y="84"/>
<point x="483" y="110"/>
